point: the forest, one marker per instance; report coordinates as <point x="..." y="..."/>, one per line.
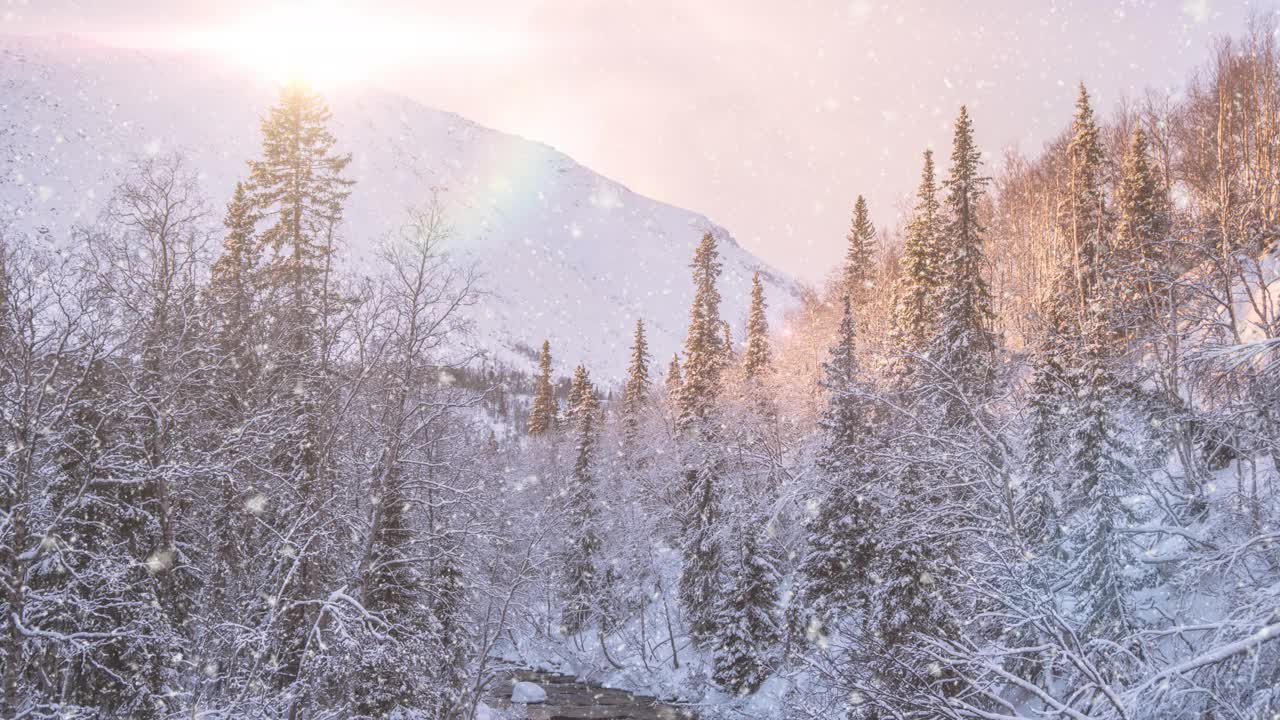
<point x="1016" y="458"/>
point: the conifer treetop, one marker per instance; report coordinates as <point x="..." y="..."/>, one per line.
<point x="542" y="414"/>
<point x="860" y="254"/>
<point x="704" y="351"/>
<point x="637" y="384"/>
<point x="758" y="354"/>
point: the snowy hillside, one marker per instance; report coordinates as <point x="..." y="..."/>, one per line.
<point x="568" y="254"/>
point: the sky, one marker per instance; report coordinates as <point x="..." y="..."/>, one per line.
<point x="769" y="117"/>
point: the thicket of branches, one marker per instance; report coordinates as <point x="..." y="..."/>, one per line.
<point x="1016" y="459"/>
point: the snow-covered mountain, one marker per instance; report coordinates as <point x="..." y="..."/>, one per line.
<point x="568" y="254"/>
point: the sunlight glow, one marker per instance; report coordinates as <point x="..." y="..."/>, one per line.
<point x="327" y="43"/>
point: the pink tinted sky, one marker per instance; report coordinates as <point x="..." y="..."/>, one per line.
<point x="770" y="117"/>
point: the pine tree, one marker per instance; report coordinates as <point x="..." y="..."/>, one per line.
<point x="758" y="357"/>
<point x="1102" y="473"/>
<point x="232" y="295"/>
<point x="963" y="347"/>
<point x="576" y="389"/>
<point x="1049" y="401"/>
<point x="581" y="579"/>
<point x="1141" y="230"/>
<point x="299" y="191"/>
<point x="840" y="537"/>
<point x="704" y="346"/>
<point x="674" y="380"/>
<point x="746" y="630"/>
<point x="1050" y="392"/>
<point x="543" y="413"/>
<point x="1084" y="216"/>
<point x="636" y="389"/>
<point x="699" y="396"/>
<point x="449" y="609"/>
<point x="233" y="299"/>
<point x="859" y="266"/>
<point x="922" y="262"/>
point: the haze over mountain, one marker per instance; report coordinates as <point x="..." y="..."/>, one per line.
<point x="566" y="253"/>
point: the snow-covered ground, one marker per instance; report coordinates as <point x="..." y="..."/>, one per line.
<point x="569" y="255"/>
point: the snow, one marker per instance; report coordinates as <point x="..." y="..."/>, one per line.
<point x="567" y="254"/>
<point x="527" y="692"/>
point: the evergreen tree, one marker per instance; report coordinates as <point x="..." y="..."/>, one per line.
<point x="1102" y="473"/>
<point x="675" y="379"/>
<point x="746" y="631"/>
<point x="841" y="536"/>
<point x="726" y="344"/>
<point x="449" y="609"/>
<point x="704" y="346"/>
<point x="232" y="295"/>
<point x="697" y="420"/>
<point x="543" y="413"/>
<point x="576" y="389"/>
<point x="758" y="357"/>
<point x="1141" y="230"/>
<point x="859" y="258"/>
<point x="1084" y="216"/>
<point x="582" y="584"/>
<point x="299" y="192"/>
<point x="233" y="299"/>
<point x="1049" y="402"/>
<point x="636" y="389"/>
<point x="298" y="189"/>
<point x="922" y="263"/>
<point x="963" y="347"/>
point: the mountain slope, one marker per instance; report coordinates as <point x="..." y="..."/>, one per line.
<point x="566" y="253"/>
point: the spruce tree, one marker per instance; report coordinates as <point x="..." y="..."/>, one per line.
<point x="1050" y="392"/>
<point x="299" y="192"/>
<point x="697" y="421"/>
<point x="298" y="189"/>
<point x="674" y="379"/>
<point x="1083" y="214"/>
<point x="636" y="389"/>
<point x="916" y="306"/>
<point x="449" y="609"/>
<point x="840" y="537"/>
<point x="1050" y="398"/>
<point x="581" y="579"/>
<point x="542" y="415"/>
<point x="756" y="362"/>
<point x="1142" y="226"/>
<point x="963" y="347"/>
<point x="746" y="630"/>
<point x="1102" y="472"/>
<point x="704" y="346"/>
<point x="859" y="256"/>
<point x="234" y="303"/>
<point x="233" y="297"/>
<point x="576" y="389"/>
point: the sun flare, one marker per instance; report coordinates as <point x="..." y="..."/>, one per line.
<point x="327" y="44"/>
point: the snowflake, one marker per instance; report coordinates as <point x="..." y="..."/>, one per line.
<point x="256" y="504"/>
<point x="159" y="561"/>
